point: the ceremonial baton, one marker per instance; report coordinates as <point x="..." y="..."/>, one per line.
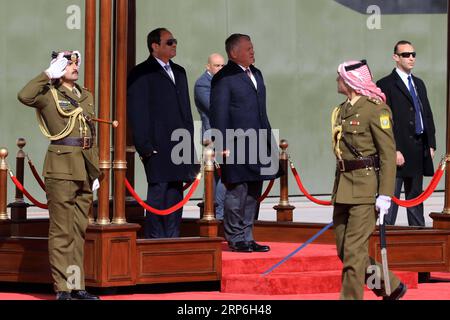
<point x="384" y="259"/>
<point x="114" y="123"/>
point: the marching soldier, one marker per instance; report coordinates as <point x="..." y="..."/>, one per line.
<point x="364" y="146"/>
<point x="65" y="111"/>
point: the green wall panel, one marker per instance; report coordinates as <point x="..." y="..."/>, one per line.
<point x="298" y="45"/>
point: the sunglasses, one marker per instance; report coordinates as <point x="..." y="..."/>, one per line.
<point x="406" y="54"/>
<point x="170" y="42"/>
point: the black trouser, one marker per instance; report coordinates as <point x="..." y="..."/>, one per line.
<point x="163" y="196"/>
<point x="413" y="188"/>
<point x="240" y="209"/>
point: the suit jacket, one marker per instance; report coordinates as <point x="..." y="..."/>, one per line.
<point x="202" y="94"/>
<point x="62" y="162"/>
<point x="236" y="104"/>
<point x="417" y="162"/>
<point x="156" y="108"/>
<point x="367" y="126"/>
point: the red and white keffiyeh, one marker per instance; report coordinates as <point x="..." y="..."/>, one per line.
<point x="360" y="79"/>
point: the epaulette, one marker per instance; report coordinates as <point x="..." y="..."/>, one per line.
<point x="374" y="100"/>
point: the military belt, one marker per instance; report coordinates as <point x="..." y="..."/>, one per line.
<point x="85" y="142"/>
<point x="361" y="163"/>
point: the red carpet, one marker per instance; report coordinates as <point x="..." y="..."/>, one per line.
<point x="312" y="274"/>
<point x="315" y="269"/>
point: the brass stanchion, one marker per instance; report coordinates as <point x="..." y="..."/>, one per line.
<point x="19" y="206"/>
<point x="284" y="209"/>
<point x="208" y="222"/>
<point x="3" y="183"/>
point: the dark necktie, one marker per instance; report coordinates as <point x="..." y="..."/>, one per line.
<point x="418" y="118"/>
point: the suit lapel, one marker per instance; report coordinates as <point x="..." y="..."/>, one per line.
<point x="161" y="70"/>
<point x="401" y="86"/>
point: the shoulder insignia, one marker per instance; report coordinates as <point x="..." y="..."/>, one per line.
<point x="374" y="100"/>
<point x="385" y="121"/>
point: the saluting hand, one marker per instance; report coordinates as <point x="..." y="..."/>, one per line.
<point x="57" y="67"/>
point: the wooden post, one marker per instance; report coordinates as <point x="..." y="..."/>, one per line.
<point x="284" y="209"/>
<point x="89" y="56"/>
<point x="104" y="111"/>
<point x="121" y="62"/>
<point x="442" y="220"/>
<point x="208" y="222"/>
<point x="3" y="184"/>
<point x="131" y="62"/>
<point x="134" y="211"/>
<point x="19" y="206"/>
<point x="90" y="40"/>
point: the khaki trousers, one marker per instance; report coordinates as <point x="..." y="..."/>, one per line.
<point x="68" y="203"/>
<point x="353" y="225"/>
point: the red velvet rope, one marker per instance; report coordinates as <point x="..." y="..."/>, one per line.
<point x="403" y="203"/>
<point x="305" y="192"/>
<point x="166" y="211"/>
<point x="36" y="174"/>
<point x="425" y="195"/>
<point x="25" y="192"/>
<point x="266" y="193"/>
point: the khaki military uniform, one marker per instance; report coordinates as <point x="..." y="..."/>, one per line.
<point x="366" y="125"/>
<point x="69" y="171"/>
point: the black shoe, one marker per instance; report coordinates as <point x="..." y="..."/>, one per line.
<point x="83" y="295"/>
<point x="63" y="295"/>
<point x="240" y="246"/>
<point x="398" y="293"/>
<point x="258" y="248"/>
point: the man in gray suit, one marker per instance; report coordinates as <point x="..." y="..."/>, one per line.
<point x="202" y="92"/>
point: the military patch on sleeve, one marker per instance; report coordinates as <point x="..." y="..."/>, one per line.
<point x="385" y="122"/>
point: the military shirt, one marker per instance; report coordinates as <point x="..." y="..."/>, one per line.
<point x="61" y="161"/>
<point x="367" y="126"/>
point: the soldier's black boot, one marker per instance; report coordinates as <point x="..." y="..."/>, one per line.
<point x="63" y="295"/>
<point x="398" y="293"/>
<point x="83" y="295"/>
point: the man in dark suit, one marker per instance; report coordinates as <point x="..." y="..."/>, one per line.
<point x="202" y="89"/>
<point x="238" y="113"/>
<point x="159" y="108"/>
<point x="413" y="129"/>
<point x="202" y="95"/>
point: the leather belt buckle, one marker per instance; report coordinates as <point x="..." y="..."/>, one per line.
<point x="341" y="165"/>
<point x="87" y="143"/>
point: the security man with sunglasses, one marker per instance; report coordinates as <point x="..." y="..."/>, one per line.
<point x="65" y="111"/>
<point x="414" y="130"/>
<point x="159" y="113"/>
<point x="364" y="145"/>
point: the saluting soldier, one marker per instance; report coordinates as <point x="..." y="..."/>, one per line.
<point x="364" y="145"/>
<point x="64" y="111"/>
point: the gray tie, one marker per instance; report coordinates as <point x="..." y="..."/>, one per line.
<point x="168" y="70"/>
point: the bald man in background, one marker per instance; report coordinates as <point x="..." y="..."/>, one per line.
<point x="202" y="91"/>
